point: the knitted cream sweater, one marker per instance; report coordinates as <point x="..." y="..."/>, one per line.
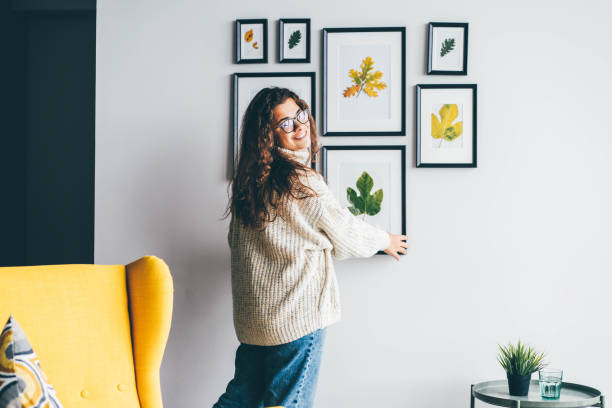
<point x="283" y="280"/>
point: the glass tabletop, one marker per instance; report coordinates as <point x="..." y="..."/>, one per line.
<point x="572" y="395"/>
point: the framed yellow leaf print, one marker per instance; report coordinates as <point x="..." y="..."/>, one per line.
<point x="446" y="125"/>
<point x="251" y="41"/>
<point x="363" y="81"/>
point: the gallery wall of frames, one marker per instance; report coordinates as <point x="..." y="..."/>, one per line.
<point x="364" y="94"/>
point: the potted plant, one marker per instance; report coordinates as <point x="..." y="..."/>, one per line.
<point x="519" y="361"/>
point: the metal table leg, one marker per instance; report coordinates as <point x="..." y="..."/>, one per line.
<point x="472" y="396"/>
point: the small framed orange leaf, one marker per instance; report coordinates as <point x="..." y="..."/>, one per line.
<point x="251" y="41"/>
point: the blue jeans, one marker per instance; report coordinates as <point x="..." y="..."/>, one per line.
<point x="267" y="376"/>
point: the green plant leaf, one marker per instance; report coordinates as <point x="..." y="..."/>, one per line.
<point x="373" y="203"/>
<point x="447" y="46"/>
<point x="378" y="196"/>
<point x="295" y="38"/>
<point x="372" y="206"/>
<point x="354" y="211"/>
<point x="358" y="202"/>
<point x="351" y="195"/>
<point x="365" y="184"/>
<point x="520" y="359"/>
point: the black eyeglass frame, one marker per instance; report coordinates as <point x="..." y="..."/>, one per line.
<point x="295" y="119"/>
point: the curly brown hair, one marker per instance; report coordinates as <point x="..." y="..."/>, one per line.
<point x="266" y="178"/>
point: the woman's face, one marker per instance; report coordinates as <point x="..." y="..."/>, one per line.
<point x="299" y="138"/>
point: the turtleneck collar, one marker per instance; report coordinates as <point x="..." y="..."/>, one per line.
<point x="301" y="156"/>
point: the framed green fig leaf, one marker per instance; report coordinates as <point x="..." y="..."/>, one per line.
<point x="369" y="181"/>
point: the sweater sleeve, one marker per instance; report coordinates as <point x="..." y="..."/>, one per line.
<point x="349" y="235"/>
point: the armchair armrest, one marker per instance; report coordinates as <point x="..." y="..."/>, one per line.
<point x="150" y="302"/>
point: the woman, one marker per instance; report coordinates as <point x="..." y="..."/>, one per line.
<point x="286" y="226"/>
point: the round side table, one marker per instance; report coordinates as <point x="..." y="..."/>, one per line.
<point x="572" y="396"/>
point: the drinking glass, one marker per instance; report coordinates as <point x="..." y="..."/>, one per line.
<point x="550" y="383"/>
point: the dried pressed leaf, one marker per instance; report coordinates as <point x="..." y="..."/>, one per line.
<point x="365" y="203"/>
<point x="248" y="36"/>
<point x="436" y="127"/>
<point x="350" y="91"/>
<point x="447" y="46"/>
<point x="446" y="129"/>
<point x="294" y="38"/>
<point x="365" y="80"/>
<point x="448" y="114"/>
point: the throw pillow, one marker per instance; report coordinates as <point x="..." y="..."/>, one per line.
<point x="22" y="381"/>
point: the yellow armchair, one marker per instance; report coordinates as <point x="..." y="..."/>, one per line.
<point x="99" y="330"/>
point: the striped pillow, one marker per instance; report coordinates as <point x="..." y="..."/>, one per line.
<point x="22" y="381"/>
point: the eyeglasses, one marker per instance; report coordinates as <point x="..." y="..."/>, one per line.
<point x="288" y="125"/>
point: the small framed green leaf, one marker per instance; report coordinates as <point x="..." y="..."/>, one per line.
<point x="448" y="49"/>
<point x="293" y="40"/>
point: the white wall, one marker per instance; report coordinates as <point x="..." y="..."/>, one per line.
<point x="519" y="247"/>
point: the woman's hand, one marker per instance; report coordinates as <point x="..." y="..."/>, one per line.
<point x="397" y="245"/>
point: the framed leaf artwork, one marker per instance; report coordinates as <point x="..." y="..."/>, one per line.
<point x="446" y="125"/>
<point x="370" y="181"/>
<point x="251" y="41"/>
<point x="247" y="85"/>
<point x="448" y="49"/>
<point x="363" y="81"/>
<point x="293" y="40"/>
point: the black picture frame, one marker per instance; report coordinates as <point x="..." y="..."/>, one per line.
<point x="474" y="117"/>
<point x="238" y="41"/>
<point x="235" y="97"/>
<point x="430" y="44"/>
<point x="402" y="148"/>
<point x="326" y="32"/>
<point x="281" y="40"/>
